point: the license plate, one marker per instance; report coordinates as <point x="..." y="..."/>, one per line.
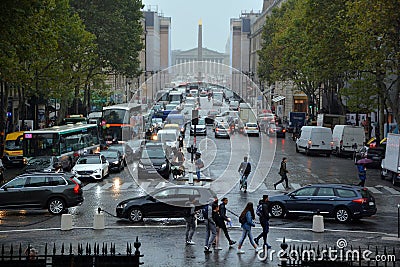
<point x="371" y="203"/>
<point x="15" y="161"/>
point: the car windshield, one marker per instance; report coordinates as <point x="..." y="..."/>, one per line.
<point x="110" y="153"/>
<point x="153" y="153"/>
<point x="89" y="160"/>
<point x="156" y="120"/>
<point x="168" y="137"/>
<point x="39" y="161"/>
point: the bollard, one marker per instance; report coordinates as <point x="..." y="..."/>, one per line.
<point x="66" y="222"/>
<point x="98" y="223"/>
<point x="318" y="224"/>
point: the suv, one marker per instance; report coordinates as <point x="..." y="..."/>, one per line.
<point x="40" y="190"/>
<point x="342" y="202"/>
<point x="154" y="161"/>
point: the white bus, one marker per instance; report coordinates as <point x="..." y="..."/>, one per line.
<point x="66" y="142"/>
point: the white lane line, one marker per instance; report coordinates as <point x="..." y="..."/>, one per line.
<point x="160" y="185"/>
<point x="88" y="187"/>
<point x="374" y="190"/>
<point x="126" y="185"/>
<point x="391" y="190"/>
<point x="107" y="186"/>
<point x="280" y="187"/>
<point x="145" y="185"/>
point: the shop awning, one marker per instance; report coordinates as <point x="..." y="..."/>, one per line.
<point x="278" y="98"/>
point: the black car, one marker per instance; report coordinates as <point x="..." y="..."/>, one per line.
<point x="168" y="202"/>
<point x="42" y="190"/>
<point x="43" y="164"/>
<point x="342" y="202"/>
<point x="135" y="146"/>
<point x="280" y="131"/>
<point x="115" y="159"/>
<point x="153" y="161"/>
<point x="376" y="154"/>
<point x="126" y="151"/>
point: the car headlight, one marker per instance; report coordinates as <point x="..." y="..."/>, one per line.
<point x="121" y="205"/>
<point x="97" y="171"/>
<point x="140" y="165"/>
<point x="164" y="166"/>
<point x="73" y="171"/>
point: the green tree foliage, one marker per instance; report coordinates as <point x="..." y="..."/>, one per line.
<point x="118" y="29"/>
<point x="373" y="29"/>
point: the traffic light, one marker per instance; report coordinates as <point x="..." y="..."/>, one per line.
<point x="195" y="117"/>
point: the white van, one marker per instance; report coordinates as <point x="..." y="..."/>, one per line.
<point x="169" y="137"/>
<point x="347" y="139"/>
<point x="315" y="140"/>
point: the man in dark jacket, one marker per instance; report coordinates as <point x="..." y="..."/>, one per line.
<point x="222" y="213"/>
<point x="244" y="170"/>
<point x="264" y="220"/>
<point x="283" y="173"/>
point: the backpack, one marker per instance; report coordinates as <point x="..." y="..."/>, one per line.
<point x="259" y="210"/>
<point x="204" y="211"/>
<point x="242" y="219"/>
<point x="248" y="168"/>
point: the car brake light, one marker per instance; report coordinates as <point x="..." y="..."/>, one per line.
<point x="76" y="189"/>
<point x="360" y="200"/>
<point x="283" y="131"/>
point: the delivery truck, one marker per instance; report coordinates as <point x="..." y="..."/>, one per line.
<point x="391" y="163"/>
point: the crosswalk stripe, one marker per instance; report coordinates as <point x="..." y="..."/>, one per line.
<point x="391" y="190"/>
<point x="88" y="186"/>
<point x="374" y="190"/>
<point x="160" y="185"/>
<point x="126" y="185"/>
<point x="107" y="186"/>
<point x="145" y="185"/>
<point x="280" y="187"/>
<point x="295" y="186"/>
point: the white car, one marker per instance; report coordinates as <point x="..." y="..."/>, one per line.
<point x="93" y="166"/>
<point x="251" y="128"/>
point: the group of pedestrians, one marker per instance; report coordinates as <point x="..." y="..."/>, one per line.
<point x="216" y="220"/>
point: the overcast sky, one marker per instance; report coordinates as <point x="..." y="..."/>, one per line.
<point x="215" y="15"/>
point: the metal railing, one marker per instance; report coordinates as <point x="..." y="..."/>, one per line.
<point x="81" y="256"/>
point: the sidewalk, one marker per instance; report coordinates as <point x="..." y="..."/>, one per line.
<point x="165" y="245"/>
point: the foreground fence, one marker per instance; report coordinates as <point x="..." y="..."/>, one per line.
<point x="308" y="256"/>
<point x="80" y="256"/>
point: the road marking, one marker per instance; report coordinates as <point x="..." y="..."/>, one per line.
<point x="391" y="190"/>
<point x="295" y="186"/>
<point x="126" y="185"/>
<point x="280" y="187"/>
<point x="107" y="186"/>
<point x="160" y="185"/>
<point x="88" y="186"/>
<point x="145" y="185"/>
<point x="374" y="190"/>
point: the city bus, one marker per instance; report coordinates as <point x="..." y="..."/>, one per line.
<point x="122" y="122"/>
<point x="66" y="142"/>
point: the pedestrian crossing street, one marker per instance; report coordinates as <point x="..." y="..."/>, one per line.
<point x="152" y="185"/>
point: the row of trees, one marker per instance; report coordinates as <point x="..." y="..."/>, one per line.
<point x="352" y="47"/>
<point x="64" y="48"/>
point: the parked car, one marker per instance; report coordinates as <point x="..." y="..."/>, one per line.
<point x="342" y="202"/>
<point x="114" y="158"/>
<point x="43" y="164"/>
<point x="222" y="130"/>
<point x="251" y="128"/>
<point x="167" y="202"/>
<point x="201" y="128"/>
<point x="154" y="161"/>
<point x="376" y="154"/>
<point x="42" y="190"/>
<point x="93" y="166"/>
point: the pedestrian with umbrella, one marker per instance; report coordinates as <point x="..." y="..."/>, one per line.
<point x="362" y="170"/>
